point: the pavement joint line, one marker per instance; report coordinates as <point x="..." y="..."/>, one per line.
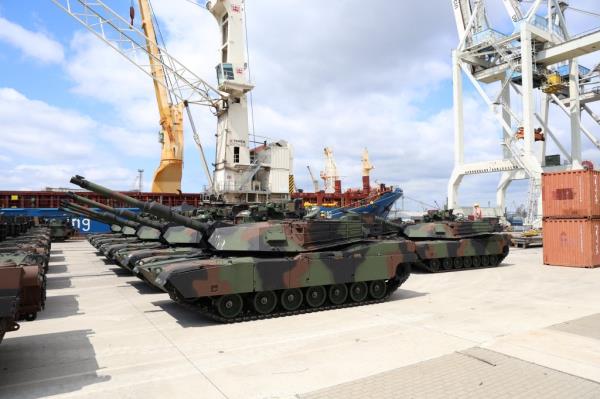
<point x="478" y="358"/>
<point x="173" y="345"/>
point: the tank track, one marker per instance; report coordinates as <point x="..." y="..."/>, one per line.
<point x="249" y="315"/>
<point x="430" y="267"/>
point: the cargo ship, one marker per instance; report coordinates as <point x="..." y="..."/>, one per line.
<point x="334" y="202"/>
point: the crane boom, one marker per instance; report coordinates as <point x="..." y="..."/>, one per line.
<point x="167" y="177"/>
<point x="462" y="15"/>
<point x="131" y="42"/>
<point x="315" y="182"/>
<point x="513" y="9"/>
<point x="169" y="77"/>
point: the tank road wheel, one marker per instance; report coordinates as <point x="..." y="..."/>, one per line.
<point x="338" y="293"/>
<point x="230" y="306"/>
<point x="494" y="260"/>
<point x="458" y="263"/>
<point x="377" y="289"/>
<point x="264" y="302"/>
<point x="467" y="262"/>
<point x="291" y="299"/>
<point x="485" y="260"/>
<point x="31" y="316"/>
<point x="358" y="291"/>
<point x="316" y="296"/>
<point x="447" y="263"/>
<point x="476" y="261"/>
<point x="434" y="265"/>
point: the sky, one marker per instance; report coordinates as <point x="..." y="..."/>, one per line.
<point x="346" y="74"/>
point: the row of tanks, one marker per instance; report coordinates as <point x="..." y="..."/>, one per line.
<point x="237" y="269"/>
<point x="24" y="258"/>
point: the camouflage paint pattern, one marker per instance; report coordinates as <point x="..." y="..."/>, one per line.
<point x="492" y="245"/>
<point x="376" y="260"/>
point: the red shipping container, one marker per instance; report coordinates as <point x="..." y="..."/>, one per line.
<point x="573" y="194"/>
<point x="572" y="242"/>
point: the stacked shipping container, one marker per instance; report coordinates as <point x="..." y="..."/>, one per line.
<point x="571" y="202"/>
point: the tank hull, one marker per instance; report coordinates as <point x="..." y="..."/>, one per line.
<point x="376" y="267"/>
<point x="461" y="254"/>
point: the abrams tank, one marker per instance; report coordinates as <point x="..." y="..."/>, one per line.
<point x="280" y="267"/>
<point x="446" y="243"/>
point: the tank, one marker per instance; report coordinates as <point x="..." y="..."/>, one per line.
<point x="445" y="243"/>
<point x="280" y="267"/>
<point x="148" y="233"/>
<point x="60" y="229"/>
<point x="25" y="255"/>
<point x="128" y="230"/>
<point x="10" y="288"/>
<point x="174" y="235"/>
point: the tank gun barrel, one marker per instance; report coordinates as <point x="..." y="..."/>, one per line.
<point x="84" y="215"/>
<point x="124" y="213"/>
<point x="94" y="214"/>
<point x="156" y="209"/>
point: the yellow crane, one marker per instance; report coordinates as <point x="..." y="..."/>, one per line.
<point x="167" y="177"/>
<point x="172" y="80"/>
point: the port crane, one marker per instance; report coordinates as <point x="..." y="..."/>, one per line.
<point x="241" y="173"/>
<point x="538" y="58"/>
<point x="330" y="175"/>
<point x="314" y="181"/>
<point x="367" y="167"/>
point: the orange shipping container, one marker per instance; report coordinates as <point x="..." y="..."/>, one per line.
<point x="573" y="194"/>
<point x="572" y="242"/>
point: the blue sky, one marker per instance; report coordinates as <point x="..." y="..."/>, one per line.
<point x="339" y="74"/>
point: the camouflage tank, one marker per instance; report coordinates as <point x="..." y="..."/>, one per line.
<point x="10" y="291"/>
<point x="148" y="233"/>
<point x="60" y="229"/>
<point x="127" y="233"/>
<point x="451" y="244"/>
<point x="280" y="267"/>
<point x="25" y="255"/>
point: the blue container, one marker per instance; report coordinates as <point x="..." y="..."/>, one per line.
<point x="82" y="225"/>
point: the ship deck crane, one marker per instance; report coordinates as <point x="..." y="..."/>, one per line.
<point x="314" y="181"/>
<point x="170" y="77"/>
<point x="240" y="174"/>
<point x="330" y="175"/>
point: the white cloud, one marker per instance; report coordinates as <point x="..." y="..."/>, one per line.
<point x="35" y="129"/>
<point x="40" y="176"/>
<point x="33" y="44"/>
<point x="46" y="145"/>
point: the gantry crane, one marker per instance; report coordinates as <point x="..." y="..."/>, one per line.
<point x="540" y="53"/>
<point x="241" y="173"/>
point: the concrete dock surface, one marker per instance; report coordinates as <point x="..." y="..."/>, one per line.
<point x="518" y="330"/>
